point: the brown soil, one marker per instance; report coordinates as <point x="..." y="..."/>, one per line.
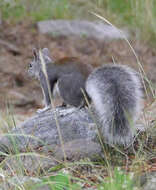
<point x="23" y="93"/>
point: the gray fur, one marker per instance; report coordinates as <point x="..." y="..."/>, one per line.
<point x="35" y="67"/>
<point x="35" y="70"/>
<point x="69" y="76"/>
<point x="116" y="92"/>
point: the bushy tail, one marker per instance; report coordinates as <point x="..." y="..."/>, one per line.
<point x="116" y="95"/>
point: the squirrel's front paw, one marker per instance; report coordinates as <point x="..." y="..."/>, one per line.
<point x="44" y="109"/>
<point x="67" y="111"/>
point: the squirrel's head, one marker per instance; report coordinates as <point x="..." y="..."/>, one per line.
<point x="35" y="66"/>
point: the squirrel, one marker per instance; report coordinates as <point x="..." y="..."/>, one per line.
<point x="115" y="91"/>
<point x="68" y="75"/>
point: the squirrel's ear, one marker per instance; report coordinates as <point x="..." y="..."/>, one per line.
<point x="45" y="51"/>
<point x="46" y="54"/>
<point x="35" y="53"/>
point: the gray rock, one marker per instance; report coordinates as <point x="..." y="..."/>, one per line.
<point x="41" y="130"/>
<point x="78" y="132"/>
<point x="28" y="163"/>
<point x="147" y="181"/>
<point x="150" y="181"/>
<point x="77" y="149"/>
<point x="17" y="182"/>
<point x="97" y="29"/>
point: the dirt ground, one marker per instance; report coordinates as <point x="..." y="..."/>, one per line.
<point x="23" y="94"/>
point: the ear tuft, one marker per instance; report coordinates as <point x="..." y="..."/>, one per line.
<point x="46" y="54"/>
<point x="45" y="51"/>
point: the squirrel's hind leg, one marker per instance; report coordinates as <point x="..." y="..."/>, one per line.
<point x="71" y="110"/>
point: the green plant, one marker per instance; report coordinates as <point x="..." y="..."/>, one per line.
<point x="119" y="181"/>
<point x="35" y="10"/>
<point x="58" y="182"/>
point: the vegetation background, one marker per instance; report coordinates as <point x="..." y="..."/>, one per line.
<point x="138" y="15"/>
<point x="120" y="169"/>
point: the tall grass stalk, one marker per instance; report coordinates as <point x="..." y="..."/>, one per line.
<point x="99" y="135"/>
<point x="43" y="64"/>
<point x="138" y="15"/>
<point x="142" y="72"/>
